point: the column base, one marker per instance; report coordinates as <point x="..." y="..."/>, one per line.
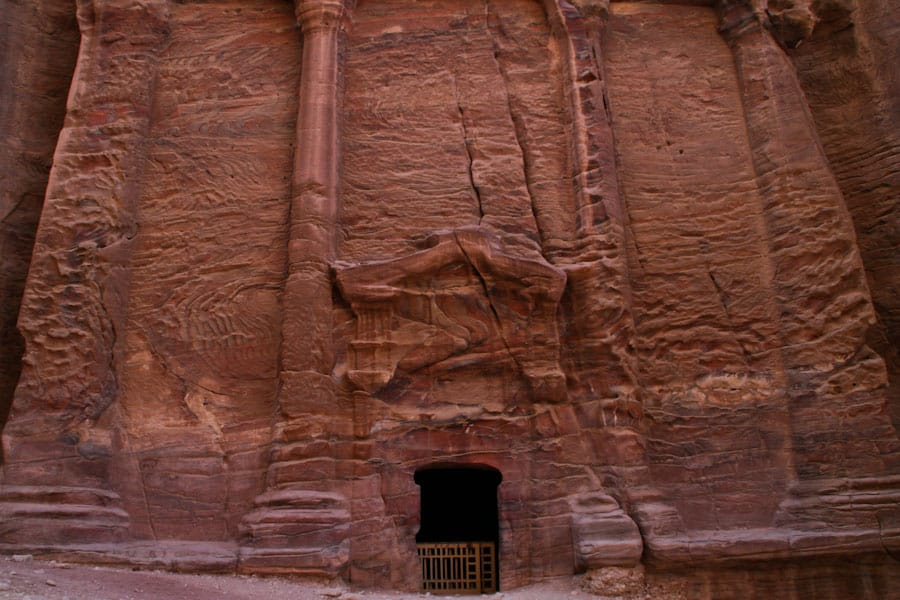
<point x="59" y="515"/>
<point x="297" y="532"/>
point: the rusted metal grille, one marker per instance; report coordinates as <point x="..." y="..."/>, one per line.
<point x="459" y="568"/>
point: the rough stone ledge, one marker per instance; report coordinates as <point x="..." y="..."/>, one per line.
<point x="179" y="556"/>
<point x="194" y="557"/>
<point x="714" y="548"/>
<point x="845" y="486"/>
<point x="57" y="495"/>
<point x="727" y="547"/>
<point x="319" y="561"/>
<point x="12" y="510"/>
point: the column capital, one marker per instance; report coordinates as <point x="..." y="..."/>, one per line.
<point x="592" y="8"/>
<point x="790" y="24"/>
<point x="313" y="15"/>
<point x="737" y="16"/>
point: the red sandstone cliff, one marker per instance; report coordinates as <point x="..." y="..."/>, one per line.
<point x="638" y="258"/>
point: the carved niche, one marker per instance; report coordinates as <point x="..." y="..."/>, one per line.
<point x="445" y="299"/>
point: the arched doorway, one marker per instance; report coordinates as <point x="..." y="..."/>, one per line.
<point x="459" y="535"/>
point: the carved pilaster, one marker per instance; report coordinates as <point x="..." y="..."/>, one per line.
<point x="819" y="285"/>
<point x="804" y="210"/>
<point x="301" y="522"/>
<point x="605" y="381"/>
<point x="306" y="342"/>
<point x="57" y="481"/>
<point x="597" y="269"/>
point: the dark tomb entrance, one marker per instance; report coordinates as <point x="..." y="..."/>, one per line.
<point x="460" y="531"/>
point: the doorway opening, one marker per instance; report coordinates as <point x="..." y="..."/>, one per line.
<point x="459" y="535"/>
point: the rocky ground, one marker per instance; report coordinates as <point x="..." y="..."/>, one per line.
<point x="23" y="578"/>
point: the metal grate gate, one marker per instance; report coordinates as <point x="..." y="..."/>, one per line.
<point x="458" y="568"/>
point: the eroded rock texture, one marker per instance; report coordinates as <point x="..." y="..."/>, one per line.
<point x="637" y="260"/>
<point x="38" y="48"/>
<point x="849" y="77"/>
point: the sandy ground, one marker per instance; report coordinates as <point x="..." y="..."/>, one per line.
<point x="22" y="578"/>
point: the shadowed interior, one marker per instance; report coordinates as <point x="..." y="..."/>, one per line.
<point x="458" y="504"/>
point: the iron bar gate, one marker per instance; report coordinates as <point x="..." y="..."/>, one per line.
<point x="459" y="568"/>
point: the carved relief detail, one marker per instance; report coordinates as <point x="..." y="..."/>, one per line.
<point x="318" y="14"/>
<point x="412" y="312"/>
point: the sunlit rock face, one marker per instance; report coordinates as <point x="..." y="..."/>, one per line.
<point x="634" y="264"/>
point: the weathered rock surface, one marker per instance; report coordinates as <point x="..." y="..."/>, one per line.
<point x="639" y="258"/>
<point x="38" y="48"/>
<point x="848" y="73"/>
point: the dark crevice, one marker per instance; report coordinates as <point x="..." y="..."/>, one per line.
<point x="476" y="192"/>
<point x="719" y="291"/>
<point x="722" y="295"/>
<point x="14" y="346"/>
<point x="12" y="209"/>
<point x="459" y="504"/>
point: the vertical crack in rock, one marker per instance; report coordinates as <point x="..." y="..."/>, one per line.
<point x="719" y="291"/>
<point x="109" y="388"/>
<point x="604" y="94"/>
<point x="884" y="545"/>
<point x="519" y="128"/>
<point x="469" y="168"/>
<point x="632" y="239"/>
<point x="140" y="466"/>
<point x="721" y="295"/>
<point x="490" y="300"/>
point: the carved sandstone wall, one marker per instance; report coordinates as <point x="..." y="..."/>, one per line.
<point x="639" y="257"/>
<point x="33" y="89"/>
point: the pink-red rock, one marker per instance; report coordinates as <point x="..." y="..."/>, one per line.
<point x="638" y="258"/>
